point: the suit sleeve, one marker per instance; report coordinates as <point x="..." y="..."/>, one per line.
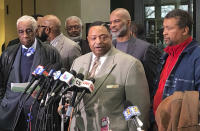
<point x="72" y="54"/>
<point x="150" y="62"/>
<point x="197" y="75"/>
<point x="2" y="87"/>
<point x="137" y="92"/>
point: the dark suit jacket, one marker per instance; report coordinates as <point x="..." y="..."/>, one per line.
<point x="85" y="48"/>
<point x="121" y="80"/>
<point x="10" y="60"/>
<point x="147" y="54"/>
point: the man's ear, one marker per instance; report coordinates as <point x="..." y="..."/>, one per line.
<point x="186" y="30"/>
<point x="47" y="30"/>
<point x="129" y="22"/>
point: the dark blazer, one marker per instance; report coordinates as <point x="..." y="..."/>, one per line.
<point x="149" y="56"/>
<point x="10" y="60"/>
<point x="85" y="48"/>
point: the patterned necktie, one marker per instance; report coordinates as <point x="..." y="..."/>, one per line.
<point x="94" y="67"/>
<point x="28" y="52"/>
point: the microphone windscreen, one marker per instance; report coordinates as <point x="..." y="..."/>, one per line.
<point x="55" y="66"/>
<point x="80" y="76"/>
<point x="92" y="79"/>
<point x="63" y="70"/>
<point x="73" y="72"/>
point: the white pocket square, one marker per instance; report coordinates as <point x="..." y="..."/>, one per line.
<point x="112" y="86"/>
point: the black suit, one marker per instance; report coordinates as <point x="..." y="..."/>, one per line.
<point x="85" y="48"/>
<point x="10" y="73"/>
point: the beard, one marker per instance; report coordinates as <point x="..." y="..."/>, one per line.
<point x="122" y="32"/>
<point x="43" y="36"/>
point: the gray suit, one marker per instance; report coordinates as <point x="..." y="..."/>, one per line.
<point x="120" y="82"/>
<point x="68" y="49"/>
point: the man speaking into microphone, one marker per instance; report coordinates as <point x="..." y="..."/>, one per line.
<point x="119" y="78"/>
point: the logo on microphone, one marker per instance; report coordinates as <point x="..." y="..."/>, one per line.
<point x="130" y="112"/>
<point x="67" y="77"/>
<point x="56" y="75"/>
<point x="38" y="70"/>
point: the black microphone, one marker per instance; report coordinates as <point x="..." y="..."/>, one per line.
<point x="66" y="79"/>
<point x="35" y="75"/>
<point x="76" y="84"/>
<point x="132" y="113"/>
<point x="56" y="80"/>
<point x="88" y="87"/>
<point x="48" y="81"/>
<point x="75" y="87"/>
<point x="56" y="77"/>
<point x="42" y="77"/>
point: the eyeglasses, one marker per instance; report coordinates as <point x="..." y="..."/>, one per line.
<point x="42" y="26"/>
<point x="76" y="27"/>
<point x="28" y="31"/>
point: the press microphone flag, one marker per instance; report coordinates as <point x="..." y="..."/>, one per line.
<point x="132" y="113"/>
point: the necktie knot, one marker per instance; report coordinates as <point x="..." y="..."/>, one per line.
<point x="28" y="52"/>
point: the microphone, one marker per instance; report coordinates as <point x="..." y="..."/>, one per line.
<point x="88" y="87"/>
<point x="48" y="81"/>
<point x="56" y="77"/>
<point x="66" y="79"/>
<point x="36" y="73"/>
<point x="77" y="83"/>
<point x="132" y="113"/>
<point x="42" y="77"/>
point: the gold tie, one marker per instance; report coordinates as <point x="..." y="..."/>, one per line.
<point x="94" y="67"/>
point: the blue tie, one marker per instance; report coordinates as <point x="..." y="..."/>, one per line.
<point x="28" y="52"/>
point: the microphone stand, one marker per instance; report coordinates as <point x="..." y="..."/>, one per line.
<point x="138" y="123"/>
<point x="63" y="113"/>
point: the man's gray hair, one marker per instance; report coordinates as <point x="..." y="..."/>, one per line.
<point x="28" y="18"/>
<point x="74" y="18"/>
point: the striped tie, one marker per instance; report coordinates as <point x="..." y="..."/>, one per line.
<point x="94" y="67"/>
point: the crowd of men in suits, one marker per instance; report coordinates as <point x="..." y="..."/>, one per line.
<point x="124" y="68"/>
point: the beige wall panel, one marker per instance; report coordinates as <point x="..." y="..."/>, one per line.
<point x="60" y="8"/>
<point x="2" y="24"/>
<point x="14" y="12"/>
<point x="94" y="10"/>
<point x="28" y="7"/>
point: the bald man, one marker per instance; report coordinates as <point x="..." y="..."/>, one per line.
<point x="50" y="30"/>
<point x="120" y="22"/>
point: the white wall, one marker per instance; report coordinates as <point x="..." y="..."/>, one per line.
<point x="94" y="10"/>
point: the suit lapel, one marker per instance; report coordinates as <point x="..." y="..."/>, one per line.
<point x="59" y="44"/>
<point x="102" y="75"/>
<point x="37" y="59"/>
<point x="86" y="66"/>
<point x="131" y="46"/>
<point x="17" y="64"/>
